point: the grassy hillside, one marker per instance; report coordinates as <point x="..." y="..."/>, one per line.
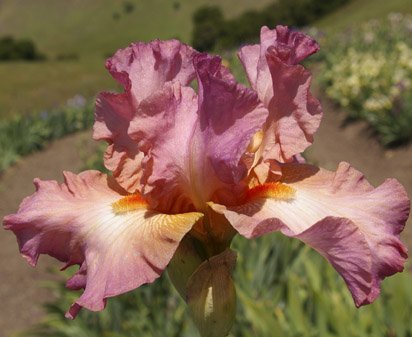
<point x="358" y="11"/>
<point x="92" y="30"/>
<point x="101" y="26"/>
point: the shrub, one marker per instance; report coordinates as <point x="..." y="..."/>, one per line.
<point x="22" y="135"/>
<point x="208" y="25"/>
<point x="115" y="16"/>
<point x="128" y="7"/>
<point x="368" y="72"/>
<point x="24" y="49"/>
<point x="211" y="30"/>
<point x="176" y="5"/>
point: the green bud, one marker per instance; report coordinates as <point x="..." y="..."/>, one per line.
<point x="211" y="295"/>
<point x="183" y="264"/>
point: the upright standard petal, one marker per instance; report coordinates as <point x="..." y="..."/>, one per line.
<point x="230" y="114"/>
<point x="284" y="87"/>
<point x="122" y="156"/>
<point x="193" y="144"/>
<point x="142" y="69"/>
<point x="88" y="220"/>
<point x="354" y="226"/>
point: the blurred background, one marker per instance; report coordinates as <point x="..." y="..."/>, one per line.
<point x="52" y="56"/>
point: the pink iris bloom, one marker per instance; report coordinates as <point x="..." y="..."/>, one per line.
<point x="206" y="164"/>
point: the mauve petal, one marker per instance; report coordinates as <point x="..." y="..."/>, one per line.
<point x="122" y="156"/>
<point x="284" y="87"/>
<point x="194" y="144"/>
<point x="163" y="127"/>
<point x="230" y="114"/>
<point x="294" y="114"/>
<point x="143" y="68"/>
<point x="292" y="47"/>
<point x="354" y="226"/>
<point x="249" y="55"/>
<point x="119" y="245"/>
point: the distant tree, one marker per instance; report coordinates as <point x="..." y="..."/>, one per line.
<point x="11" y="49"/>
<point x="176" y="5"/>
<point x="212" y="31"/>
<point x="116" y="16"/>
<point x="128" y="7"/>
<point x="26" y="49"/>
<point x="208" y="26"/>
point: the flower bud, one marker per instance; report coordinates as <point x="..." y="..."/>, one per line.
<point x="183" y="264"/>
<point x="211" y="295"/>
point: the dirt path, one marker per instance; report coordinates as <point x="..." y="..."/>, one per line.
<point x="21" y="294"/>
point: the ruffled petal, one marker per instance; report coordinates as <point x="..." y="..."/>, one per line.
<point x="163" y="127"/>
<point x="284" y="87"/>
<point x="88" y="220"/>
<point x="194" y="144"/>
<point x="354" y="226"/>
<point x="142" y="69"/>
<point x="122" y="156"/>
<point x="230" y="114"/>
<point x="291" y="46"/>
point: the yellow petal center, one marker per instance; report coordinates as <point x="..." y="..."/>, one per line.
<point x="274" y="190"/>
<point x="129" y="203"/>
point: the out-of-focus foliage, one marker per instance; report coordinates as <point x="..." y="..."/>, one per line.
<point x="77" y="37"/>
<point x="284" y="289"/>
<point x="368" y="72"/>
<point x="212" y="31"/>
<point x="207" y="27"/>
<point x="21" y="135"/>
<point x="12" y="50"/>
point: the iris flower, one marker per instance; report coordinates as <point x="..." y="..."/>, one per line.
<point x="202" y="165"/>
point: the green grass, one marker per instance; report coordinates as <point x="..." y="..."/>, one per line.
<point x="283" y="288"/>
<point x="21" y="135"/>
<point x="358" y="11"/>
<point x="88" y="29"/>
<point x="28" y="87"/>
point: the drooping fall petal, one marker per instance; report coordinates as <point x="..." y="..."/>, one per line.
<point x="88" y="220"/>
<point x="284" y="87"/>
<point x="142" y="69"/>
<point x="354" y="226"/>
<point x="194" y="144"/>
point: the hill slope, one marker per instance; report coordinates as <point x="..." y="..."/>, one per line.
<point x="358" y="11"/>
<point x="92" y="30"/>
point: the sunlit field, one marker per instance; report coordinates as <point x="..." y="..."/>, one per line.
<point x="89" y="32"/>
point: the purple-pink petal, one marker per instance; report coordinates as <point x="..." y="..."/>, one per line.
<point x="230" y="114"/>
<point x="142" y="69"/>
<point x="354" y="226"/>
<point x="284" y="88"/>
<point x="193" y="143"/>
<point x="118" y="243"/>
